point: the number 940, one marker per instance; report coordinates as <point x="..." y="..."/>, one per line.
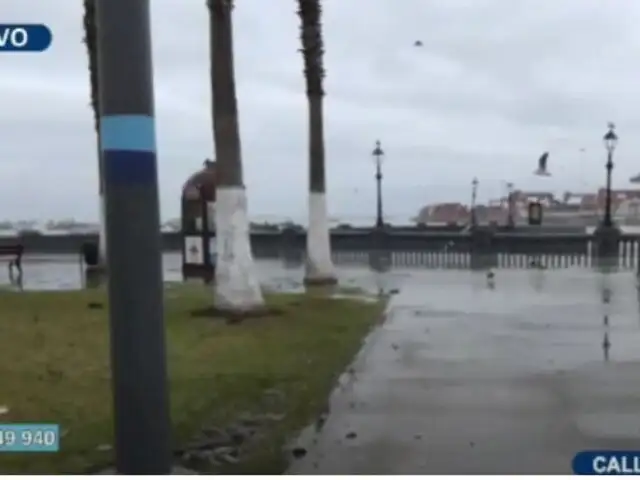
<point x="27" y="438"/>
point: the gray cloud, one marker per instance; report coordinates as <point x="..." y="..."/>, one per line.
<point x="494" y="85"/>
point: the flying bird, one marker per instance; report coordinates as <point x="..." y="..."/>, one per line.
<point x="417" y="43"/>
<point x="542" y="165"/>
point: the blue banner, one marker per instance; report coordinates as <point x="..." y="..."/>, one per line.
<point x="607" y="462"/>
<point x="28" y="37"/>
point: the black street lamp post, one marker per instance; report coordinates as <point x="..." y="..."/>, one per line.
<point x="511" y="222"/>
<point x="610" y="141"/>
<point x="607" y="235"/>
<point x="378" y="153"/>
<point x="474" y="195"/>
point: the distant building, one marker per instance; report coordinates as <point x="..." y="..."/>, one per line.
<point x="521" y="197"/>
<point x="492" y="214"/>
<point x="459" y="214"/>
<point x="443" y="214"/>
<point x="571" y="209"/>
<point x="625" y="205"/>
<point x="618" y="198"/>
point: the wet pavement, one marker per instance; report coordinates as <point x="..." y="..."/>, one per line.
<point x="65" y="272"/>
<point x="463" y="379"/>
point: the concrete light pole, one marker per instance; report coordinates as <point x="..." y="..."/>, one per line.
<point x="128" y="143"/>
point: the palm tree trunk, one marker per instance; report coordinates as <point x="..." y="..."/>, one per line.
<point x="319" y="265"/>
<point x="89" y="22"/>
<point x="236" y="287"/>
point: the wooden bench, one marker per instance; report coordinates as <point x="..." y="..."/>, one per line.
<point x="14" y="251"/>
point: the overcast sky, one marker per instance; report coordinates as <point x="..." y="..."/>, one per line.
<point x="495" y="83"/>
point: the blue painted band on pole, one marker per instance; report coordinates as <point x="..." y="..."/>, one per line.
<point x="128" y="132"/>
<point x="129" y="168"/>
<point x="128" y="144"/>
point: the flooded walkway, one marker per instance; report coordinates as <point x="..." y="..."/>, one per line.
<point x="463" y="379"/>
<point x="65" y="272"/>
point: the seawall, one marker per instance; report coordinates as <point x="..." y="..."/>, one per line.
<point x="72" y="243"/>
<point x="264" y="243"/>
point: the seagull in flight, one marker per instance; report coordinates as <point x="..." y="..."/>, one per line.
<point x="542" y="165"/>
<point x="417" y="43"/>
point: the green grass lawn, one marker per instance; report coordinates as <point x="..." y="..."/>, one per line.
<point x="54" y="368"/>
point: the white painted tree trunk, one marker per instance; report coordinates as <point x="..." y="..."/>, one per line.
<point x="237" y="288"/>
<point x="319" y="266"/>
<point x="102" y="237"/>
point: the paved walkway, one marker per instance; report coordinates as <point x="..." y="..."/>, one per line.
<point x="463" y="379"/>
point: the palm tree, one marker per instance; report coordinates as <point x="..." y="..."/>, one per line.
<point x="90" y="33"/>
<point x="319" y="266"/>
<point x="236" y="287"/>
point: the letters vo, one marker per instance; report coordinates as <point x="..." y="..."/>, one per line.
<point x="24" y="37"/>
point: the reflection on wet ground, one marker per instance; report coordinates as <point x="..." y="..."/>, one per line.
<point x="64" y="272"/>
<point x="464" y="378"/>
